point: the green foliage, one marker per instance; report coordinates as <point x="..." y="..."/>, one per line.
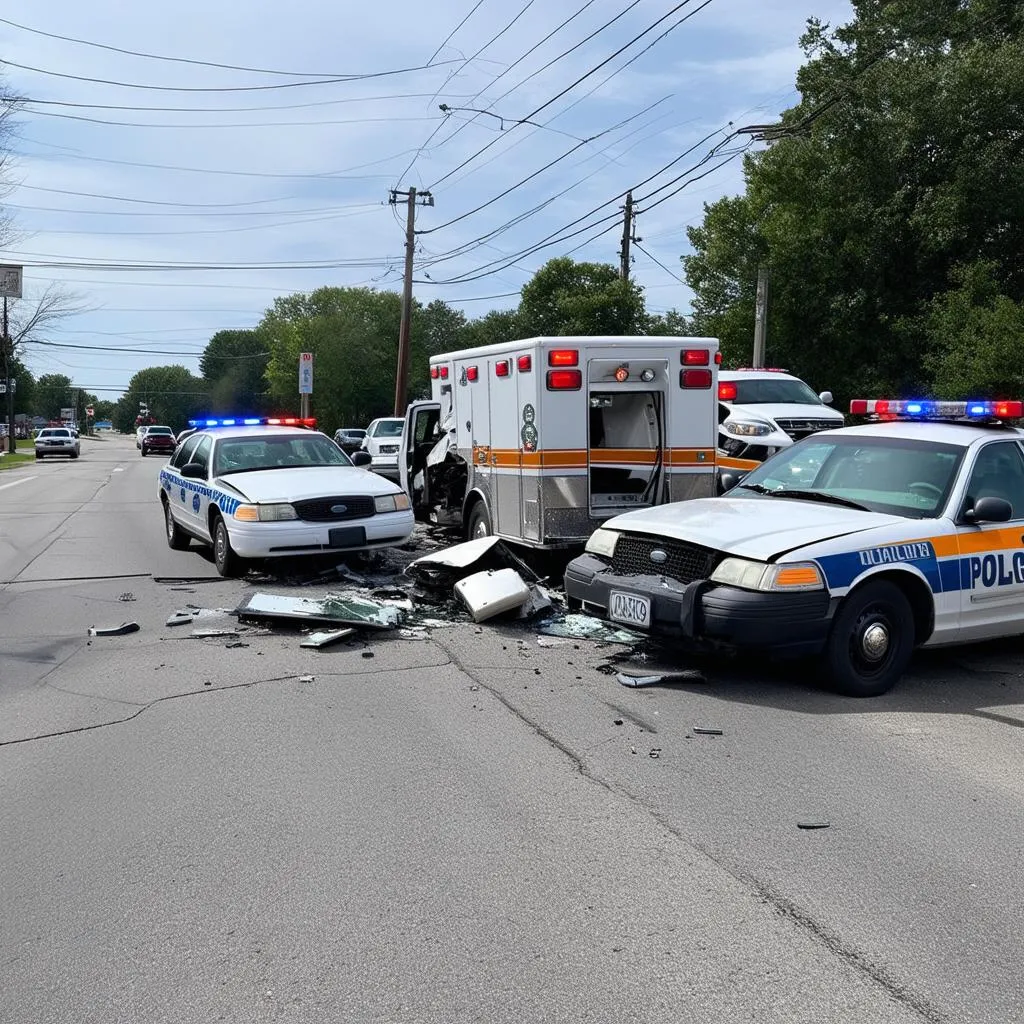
<point x="53" y="392"/>
<point x="104" y="410"/>
<point x="494" y="328"/>
<point x="566" y="298"/>
<point x="233" y="365"/>
<point x="24" y="390"/>
<point x="174" y="396"/>
<point x="900" y="165"/>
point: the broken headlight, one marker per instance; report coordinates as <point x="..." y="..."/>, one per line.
<point x="602" y="542"/>
<point x="750" y="575"/>
<point x="391" y="502"/>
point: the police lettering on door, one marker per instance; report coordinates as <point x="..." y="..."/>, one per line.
<point x="1001" y="570"/>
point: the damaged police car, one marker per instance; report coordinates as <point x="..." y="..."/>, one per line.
<point x="857" y="544"/>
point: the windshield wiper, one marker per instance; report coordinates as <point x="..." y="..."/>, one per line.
<point x="828" y="499"/>
<point x="756" y="488"/>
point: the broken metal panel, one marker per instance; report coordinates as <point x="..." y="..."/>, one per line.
<point x="539" y="600"/>
<point x="487" y="594"/>
<point x="444" y="568"/>
<point x="122" y="630"/>
<point x="348" y="610"/>
<point x="327" y="637"/>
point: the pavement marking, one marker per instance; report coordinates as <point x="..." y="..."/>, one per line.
<point x="14" y="483"/>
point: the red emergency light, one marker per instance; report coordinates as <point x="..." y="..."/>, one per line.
<point x="695" y="378"/>
<point x="444" y="373"/>
<point x="726" y="391"/>
<point x="434" y="373"/>
<point x="564" y="357"/>
<point x="472" y="373"/>
<point x="524" y="364"/>
<point x="289" y="421"/>
<point x="718" y="359"/>
<point x="565" y="380"/>
<point x="694" y="357"/>
<point x="502" y="368"/>
<point x="918" y="408"/>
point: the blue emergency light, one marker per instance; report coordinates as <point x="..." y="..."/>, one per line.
<point x="918" y="408"/>
<point x="255" y="421"/>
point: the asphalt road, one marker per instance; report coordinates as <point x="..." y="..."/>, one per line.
<point x="468" y="827"/>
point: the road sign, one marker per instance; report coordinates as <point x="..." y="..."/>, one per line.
<point x="305" y="373"/>
<point x="10" y="281"/>
<point x="89" y="410"/>
<point x="3" y="387"/>
<point x="67" y="414"/>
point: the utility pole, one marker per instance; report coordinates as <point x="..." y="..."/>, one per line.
<point x="402" y="370"/>
<point x="5" y="340"/>
<point x="760" y="317"/>
<point x="627" y="236"/>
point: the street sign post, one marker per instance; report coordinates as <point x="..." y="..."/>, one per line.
<point x="3" y="387"/>
<point x="10" y="281"/>
<point x="305" y="382"/>
<point x="89" y="411"/>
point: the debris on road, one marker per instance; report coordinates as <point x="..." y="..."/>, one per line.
<point x="327" y="637"/>
<point x="215" y="634"/>
<point x="122" y="630"/>
<point x="126" y="596"/>
<point x="490" y="593"/>
<point x="576" y="626"/>
<point x="188" y="579"/>
<point x="351" y="611"/>
<point x="813" y="824"/>
<point x="553" y="641"/>
<point x="654" y="752"/>
<point x="236" y="643"/>
<point x="180" y="619"/>
<point x="447" y="567"/>
<point x="306" y="679"/>
<point x="701" y="731"/>
<point x="628" y="680"/>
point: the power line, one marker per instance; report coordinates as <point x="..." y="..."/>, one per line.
<point x="331" y="80"/>
<point x="675" y="277"/>
<point x="448" y="37"/>
<point x="140" y="351"/>
<point x="233" y="213"/>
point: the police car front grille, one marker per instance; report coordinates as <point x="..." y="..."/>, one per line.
<point x="683" y="562"/>
<point x="802" y="427"/>
<point x="319" y="510"/>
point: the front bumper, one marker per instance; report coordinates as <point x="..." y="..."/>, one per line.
<point x="56" y="449"/>
<point x="703" y="611"/>
<point x="294" y="537"/>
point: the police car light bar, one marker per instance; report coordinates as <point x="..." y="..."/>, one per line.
<point x="254" y="421"/>
<point x="927" y="409"/>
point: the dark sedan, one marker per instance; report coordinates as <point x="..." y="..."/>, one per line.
<point x="158" y="439"/>
<point x="349" y="439"/>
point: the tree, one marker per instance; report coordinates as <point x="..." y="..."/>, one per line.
<point x="671" y="324"/>
<point x="233" y="365"/>
<point x="103" y="410"/>
<point x="898" y="168"/>
<point x="565" y="297"/>
<point x="53" y="392"/>
<point x="172" y="393"/>
<point x="494" y="328"/>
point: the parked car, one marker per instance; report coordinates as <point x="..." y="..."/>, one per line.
<point x="140" y="433"/>
<point x="349" y="439"/>
<point x="784" y="401"/>
<point x="158" y="439"/>
<point x="382" y="441"/>
<point x="57" y="441"/>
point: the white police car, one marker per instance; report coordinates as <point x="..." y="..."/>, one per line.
<point x="857" y="544"/>
<point x="273" y="487"/>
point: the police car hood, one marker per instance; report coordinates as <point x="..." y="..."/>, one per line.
<point x="791" y="411"/>
<point x="759" y="528"/>
<point x="302" y="482"/>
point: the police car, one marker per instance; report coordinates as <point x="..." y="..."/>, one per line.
<point x="857" y="544"/>
<point x="266" y="487"/>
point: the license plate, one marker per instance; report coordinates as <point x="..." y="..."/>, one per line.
<point x="629" y="609"/>
<point x="347" y="537"/>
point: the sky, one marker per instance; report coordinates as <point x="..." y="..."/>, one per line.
<point x="176" y="196"/>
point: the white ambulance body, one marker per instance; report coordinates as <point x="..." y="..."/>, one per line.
<point x="540" y="441"/>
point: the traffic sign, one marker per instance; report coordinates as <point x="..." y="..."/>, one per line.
<point x="89" y="410"/>
<point x="305" y="373"/>
<point x="10" y="281"/>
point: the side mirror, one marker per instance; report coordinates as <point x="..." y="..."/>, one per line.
<point x="826" y="397"/>
<point x="989" y="510"/>
<point x="361" y="458"/>
<point x="193" y="471"/>
<point x="727" y="480"/>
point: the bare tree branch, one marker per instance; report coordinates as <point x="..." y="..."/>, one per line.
<point x="34" y="321"/>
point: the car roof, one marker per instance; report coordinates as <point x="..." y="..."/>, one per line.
<point x="756" y="375"/>
<point x="944" y="432"/>
<point x="220" y="433"/>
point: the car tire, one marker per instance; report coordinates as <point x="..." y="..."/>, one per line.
<point x="73" y="455"/>
<point x="479" y="524"/>
<point x="177" y="539"/>
<point x="871" y="641"/>
<point x="39" y="457"/>
<point x="142" y="452"/>
<point x="224" y="558"/>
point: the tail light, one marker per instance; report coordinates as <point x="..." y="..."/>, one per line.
<point x="695" y="357"/>
<point x="718" y="359"/>
<point x="564" y="380"/>
<point x="472" y="373"/>
<point x="695" y="378"/>
<point x="501" y="368"/>
<point x="434" y="373"/>
<point x="726" y="391"/>
<point x="564" y="357"/>
<point x="444" y="373"/>
<point x="524" y="364"/>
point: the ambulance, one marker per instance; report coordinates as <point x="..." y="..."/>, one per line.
<point x="540" y="441"/>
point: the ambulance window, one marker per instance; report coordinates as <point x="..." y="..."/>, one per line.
<point x="999" y="473"/>
<point x="201" y="455"/>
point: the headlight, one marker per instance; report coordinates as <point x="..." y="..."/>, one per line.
<point x="391" y="502"/>
<point x="264" y="513"/>
<point x="602" y="542"/>
<point x="747" y="429"/>
<point x="749" y="575"/>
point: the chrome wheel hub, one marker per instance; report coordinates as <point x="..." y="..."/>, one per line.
<point x="874" y="641"/>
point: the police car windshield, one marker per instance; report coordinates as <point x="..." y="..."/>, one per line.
<point x="777" y="390"/>
<point x="282" y="451"/>
<point x="897" y="476"/>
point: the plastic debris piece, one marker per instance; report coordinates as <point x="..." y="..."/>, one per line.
<point x="618" y="721"/>
<point x="306" y="679"/>
<point x="367" y="654"/>
<point x="553" y="641"/>
<point x="539" y="600"/>
<point x="487" y="594"/>
<point x="327" y="637"/>
<point x="122" y="630"/>
<point x="237" y="643"/>
<point x="813" y="824"/>
<point x="126" y="596"/>
<point x="638" y="680"/>
<point x="699" y="731"/>
<point x="350" y="611"/>
<point x="655" y="752"/>
<point x="180" y="619"/>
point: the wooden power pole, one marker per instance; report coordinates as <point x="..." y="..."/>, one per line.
<point x="760" y="318"/>
<point x="627" y="236"/>
<point x="402" y="369"/>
